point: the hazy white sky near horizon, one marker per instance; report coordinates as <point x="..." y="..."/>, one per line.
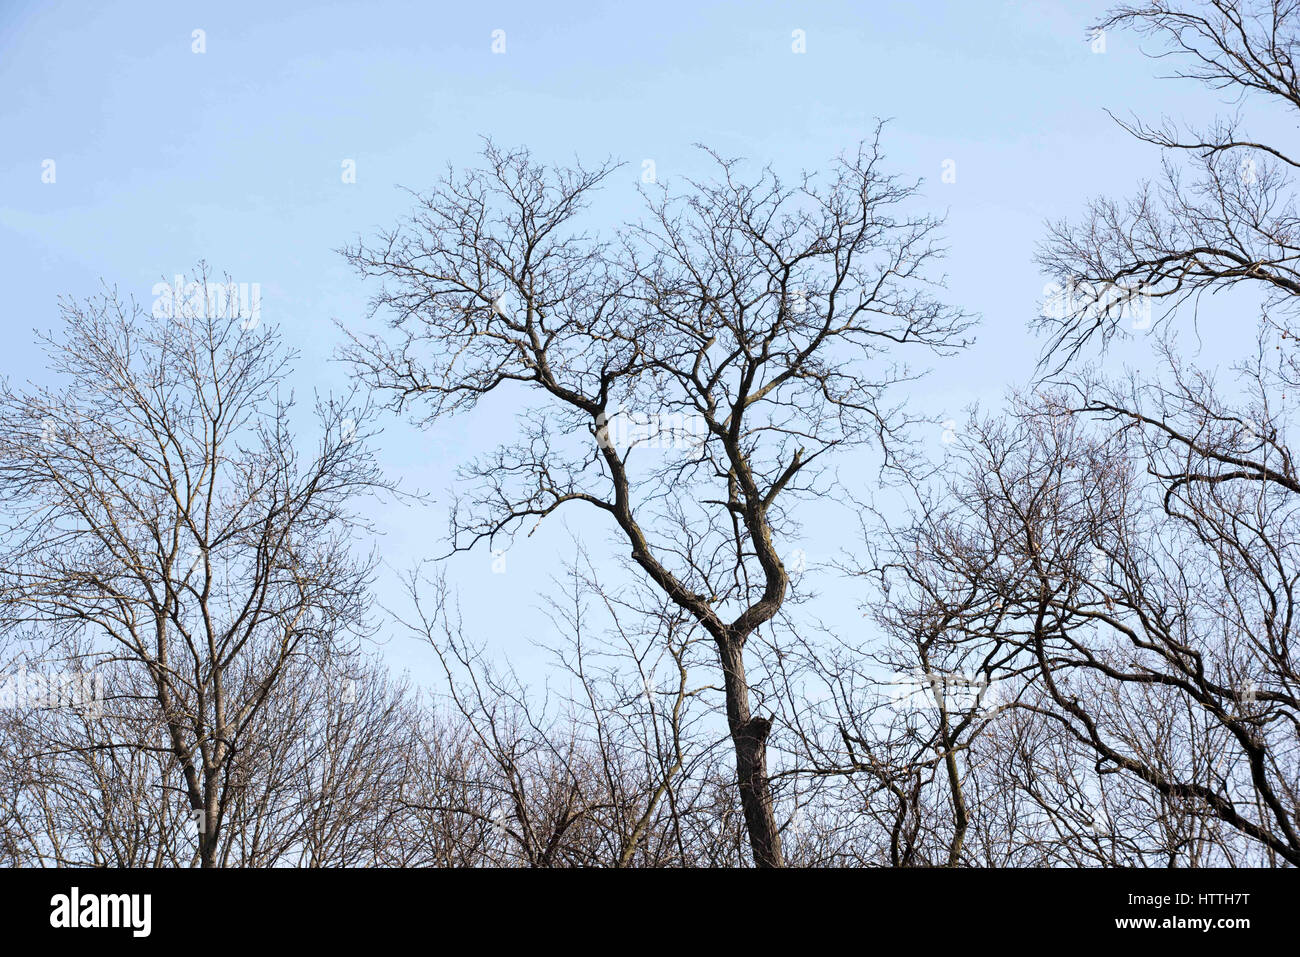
<point x="165" y="157"/>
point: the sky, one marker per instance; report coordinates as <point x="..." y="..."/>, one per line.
<point x="165" y="154"/>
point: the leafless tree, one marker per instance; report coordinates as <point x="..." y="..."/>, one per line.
<point x="159" y="518"/>
<point x="744" y="323"/>
<point x="1223" y="213"/>
<point x="1144" y="614"/>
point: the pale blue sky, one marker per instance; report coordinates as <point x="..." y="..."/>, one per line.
<point x="165" y="156"/>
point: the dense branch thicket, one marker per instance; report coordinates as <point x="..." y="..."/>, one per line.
<point x="159" y="520"/>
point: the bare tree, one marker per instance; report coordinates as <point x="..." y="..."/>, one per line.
<point x="686" y="379"/>
<point x="1223" y="212"/>
<point x="158" y="515"/>
<point x="1146" y="618"/>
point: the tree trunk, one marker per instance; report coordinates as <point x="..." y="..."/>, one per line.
<point x="749" y="735"/>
